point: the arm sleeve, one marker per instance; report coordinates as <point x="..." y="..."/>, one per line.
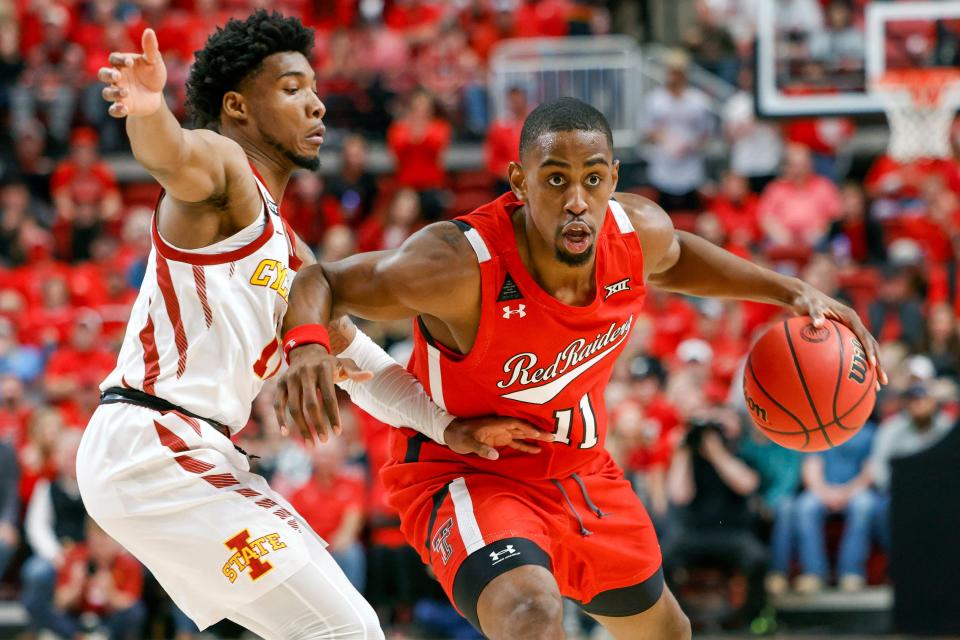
<point x="393" y="396"/>
<point x="39" y="524"/>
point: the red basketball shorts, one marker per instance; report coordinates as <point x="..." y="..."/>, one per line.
<point x="590" y="530"/>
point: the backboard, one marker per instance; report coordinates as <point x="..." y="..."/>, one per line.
<point x="820" y="58"/>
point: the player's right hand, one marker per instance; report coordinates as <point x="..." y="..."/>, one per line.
<point x="483" y="435"/>
<point x="307" y="390"/>
<point x="135" y="81"/>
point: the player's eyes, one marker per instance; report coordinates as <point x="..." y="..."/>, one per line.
<point x="594" y="180"/>
<point x="292" y="90"/>
<point x="555" y="181"/>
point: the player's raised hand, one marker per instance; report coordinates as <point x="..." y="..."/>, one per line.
<point x="483" y="435"/>
<point x="819" y="306"/>
<point x="135" y="81"/>
<point x="307" y="390"/>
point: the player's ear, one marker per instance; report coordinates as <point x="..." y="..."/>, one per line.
<point x="518" y="181"/>
<point x="234" y="106"/>
<point x="615" y="173"/>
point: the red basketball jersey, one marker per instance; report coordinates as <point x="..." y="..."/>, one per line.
<point x="534" y="357"/>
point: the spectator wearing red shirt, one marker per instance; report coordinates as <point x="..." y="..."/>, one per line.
<point x="823" y="136"/>
<point x="417" y="20"/>
<point x="417" y="142"/>
<point x="503" y="138"/>
<point x="451" y="71"/>
<point x="737" y="210"/>
<point x="402" y="221"/>
<point x="99" y="578"/>
<point x="310" y="208"/>
<point x="332" y="504"/>
<point x="15" y="410"/>
<point x="796" y="210"/>
<point x="74" y="371"/>
<point x="85" y="193"/>
<point x="646" y="423"/>
<point x="673" y="320"/>
<point x="48" y="323"/>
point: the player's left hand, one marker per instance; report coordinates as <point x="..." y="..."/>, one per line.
<point x="483" y="435"/>
<point x="307" y="390"/>
<point x="819" y="306"/>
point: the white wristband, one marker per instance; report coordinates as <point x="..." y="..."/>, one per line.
<point x="393" y="396"/>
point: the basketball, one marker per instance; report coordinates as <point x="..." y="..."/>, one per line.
<point x="809" y="388"/>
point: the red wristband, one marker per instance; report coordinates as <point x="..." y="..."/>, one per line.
<point x="305" y="334"/>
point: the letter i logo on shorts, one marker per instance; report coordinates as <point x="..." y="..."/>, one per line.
<point x="248" y="553"/>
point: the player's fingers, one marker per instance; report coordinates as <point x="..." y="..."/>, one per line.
<point x="280" y="403"/>
<point x="328" y="392"/>
<point x="120" y="60"/>
<point x="816" y="311"/>
<point x="150" y="46"/>
<point x="114" y="94"/>
<point x="312" y="409"/>
<point x="520" y="445"/>
<point x="482" y="449"/>
<point x="108" y="75"/>
<point x="524" y="430"/>
<point x="349" y="370"/>
<point x="117" y="110"/>
<point x="295" y="408"/>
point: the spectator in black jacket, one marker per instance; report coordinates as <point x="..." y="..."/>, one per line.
<point x="9" y="504"/>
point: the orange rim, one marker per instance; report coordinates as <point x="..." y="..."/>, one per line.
<point x="926" y="86"/>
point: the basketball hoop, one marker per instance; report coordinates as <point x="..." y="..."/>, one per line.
<point x="920" y="106"/>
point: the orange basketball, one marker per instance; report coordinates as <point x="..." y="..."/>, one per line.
<point x="809" y="388"/>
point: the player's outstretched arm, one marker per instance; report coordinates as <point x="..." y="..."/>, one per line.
<point x="190" y="165"/>
<point x="433" y="273"/>
<point x="685" y="263"/>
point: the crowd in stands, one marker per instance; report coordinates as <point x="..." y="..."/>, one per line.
<point x="74" y="244"/>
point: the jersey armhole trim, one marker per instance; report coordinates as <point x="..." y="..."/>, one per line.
<point x="623" y="220"/>
<point x="475" y="239"/>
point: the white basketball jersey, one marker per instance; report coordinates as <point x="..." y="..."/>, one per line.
<point x="203" y="331"/>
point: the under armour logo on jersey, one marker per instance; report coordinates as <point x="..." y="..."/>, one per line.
<point x="440" y="544"/>
<point x="617" y="287"/>
<point x="521" y="310"/>
<point x="508" y="552"/>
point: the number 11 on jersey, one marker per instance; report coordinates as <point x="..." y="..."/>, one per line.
<point x="564" y="420"/>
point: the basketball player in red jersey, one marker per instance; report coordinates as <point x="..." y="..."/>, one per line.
<point x="156" y="466"/>
<point x="522" y="308"/>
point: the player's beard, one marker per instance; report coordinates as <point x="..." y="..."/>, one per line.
<point x="571" y="259"/>
<point x="311" y="163"/>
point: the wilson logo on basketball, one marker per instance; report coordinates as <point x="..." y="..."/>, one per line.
<point x="759" y="413"/>
<point x="858" y="365"/>
<point x="811" y="333"/>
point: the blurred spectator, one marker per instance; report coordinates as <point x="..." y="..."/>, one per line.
<point x="711" y="484"/>
<point x="503" y="138"/>
<point x="919" y="425"/>
<point x="76" y="369"/>
<point x="450" y="70"/>
<point x="855" y="236"/>
<point x="678" y="126"/>
<point x="840" y="45"/>
<point x="736" y="208"/>
<point x="796" y="209"/>
<point x="779" y="472"/>
<point x="417" y="142"/>
<point x="941" y="341"/>
<point x="712" y="46"/>
<point x="20" y="231"/>
<point x="15" y="413"/>
<point x="85" y="194"/>
<point x="54" y="524"/>
<point x="48" y="323"/>
<point x="309" y="207"/>
<point x="402" y="221"/>
<point x="800" y="17"/>
<point x="353" y="185"/>
<point x="9" y="504"/>
<point x="11" y="64"/>
<point x="338" y="243"/>
<point x="896" y="314"/>
<point x="23" y="361"/>
<point x="646" y="425"/>
<point x="755" y="146"/>
<point x="32" y="164"/>
<point x="332" y="504"/>
<point x="739" y="16"/>
<point x="824" y="138"/>
<point x="836" y="481"/>
<point x="99" y="587"/>
<point x="417" y="20"/>
<point x="48" y="84"/>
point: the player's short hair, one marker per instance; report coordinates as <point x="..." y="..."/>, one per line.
<point x="562" y="114"/>
<point x="234" y="52"/>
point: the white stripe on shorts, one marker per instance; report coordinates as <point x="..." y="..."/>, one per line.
<point x="466" y="521"/>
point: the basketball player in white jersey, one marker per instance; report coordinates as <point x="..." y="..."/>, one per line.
<point x="156" y="467"/>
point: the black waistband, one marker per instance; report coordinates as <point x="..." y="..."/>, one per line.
<point x="114" y="395"/>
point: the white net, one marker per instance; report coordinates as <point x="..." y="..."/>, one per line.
<point x="920" y="110"/>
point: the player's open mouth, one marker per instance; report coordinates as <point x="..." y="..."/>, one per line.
<point x="316" y="136"/>
<point x="576" y="237"/>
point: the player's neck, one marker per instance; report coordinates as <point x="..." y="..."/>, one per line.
<point x="571" y="285"/>
<point x="275" y="172"/>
